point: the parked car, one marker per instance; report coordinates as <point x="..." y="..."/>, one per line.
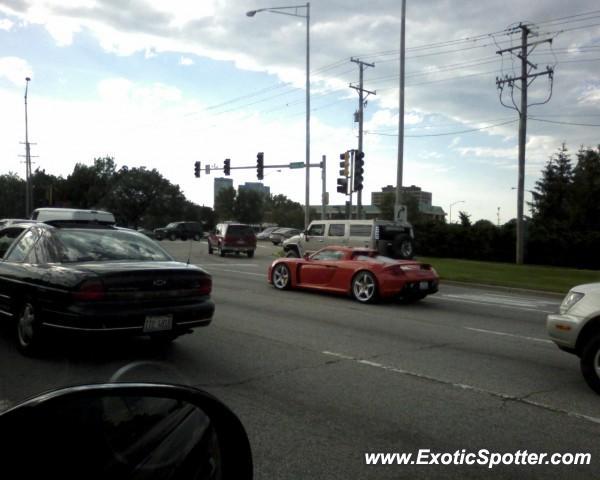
<point x="264" y="235"/>
<point x="232" y="238"/>
<point x="281" y="234"/>
<point x="393" y="239"/>
<point x="363" y="273"/>
<point x="68" y="277"/>
<point x="180" y="230"/>
<point x="576" y="329"/>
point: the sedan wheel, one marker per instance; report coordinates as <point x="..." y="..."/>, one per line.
<point x="172" y="237"/>
<point x="364" y="287"/>
<point x="281" y="276"/>
<point x="28" y="335"/>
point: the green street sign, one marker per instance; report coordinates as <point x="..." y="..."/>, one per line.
<point x="297" y="165"/>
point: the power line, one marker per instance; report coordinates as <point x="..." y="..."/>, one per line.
<point x="565" y="123"/>
<point x="458" y="132"/>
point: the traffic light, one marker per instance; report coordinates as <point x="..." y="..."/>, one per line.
<point x="344" y="164"/>
<point x="260" y="165"/>
<point x="358" y="170"/>
<point x="227" y="167"/>
<point x="342" y="185"/>
<point x="197" y="169"/>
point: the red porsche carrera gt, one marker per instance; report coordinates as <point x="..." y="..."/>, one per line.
<point x="364" y="273"/>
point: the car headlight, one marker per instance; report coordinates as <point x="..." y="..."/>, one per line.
<point x="571" y="299"/>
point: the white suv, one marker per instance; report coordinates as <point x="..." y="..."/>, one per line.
<point x="394" y="239"/>
<point x="576" y="329"/>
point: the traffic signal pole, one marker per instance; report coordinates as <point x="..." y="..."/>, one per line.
<point x="361" y="104"/>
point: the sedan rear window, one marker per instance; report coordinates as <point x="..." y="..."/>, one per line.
<point x="106" y="245"/>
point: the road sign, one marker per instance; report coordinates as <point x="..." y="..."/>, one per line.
<point x="297" y="165"/>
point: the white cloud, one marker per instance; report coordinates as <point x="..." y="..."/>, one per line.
<point x="15" y="69"/>
<point x="186" y="61"/>
<point x="6" y="24"/>
<point x="590" y="95"/>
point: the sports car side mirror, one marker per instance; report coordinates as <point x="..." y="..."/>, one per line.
<point x="306" y="256"/>
<point x="125" y="430"/>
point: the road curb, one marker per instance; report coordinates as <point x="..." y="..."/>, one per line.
<point x="503" y="288"/>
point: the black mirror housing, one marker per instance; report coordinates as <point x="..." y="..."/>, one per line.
<point x="123" y="430"/>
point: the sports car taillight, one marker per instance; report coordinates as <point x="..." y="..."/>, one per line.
<point x="205" y="286"/>
<point x="89" y="290"/>
<point x="395" y="270"/>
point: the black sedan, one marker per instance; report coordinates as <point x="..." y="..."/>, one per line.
<point x="99" y="280"/>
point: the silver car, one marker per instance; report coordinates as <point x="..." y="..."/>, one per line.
<point x="576" y="329"/>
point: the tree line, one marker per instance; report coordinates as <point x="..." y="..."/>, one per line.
<point x="563" y="227"/>
<point x="253" y="207"/>
<point x="139" y="197"/>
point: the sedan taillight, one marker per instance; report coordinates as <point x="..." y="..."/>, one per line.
<point x="205" y="286"/>
<point x="90" y="290"/>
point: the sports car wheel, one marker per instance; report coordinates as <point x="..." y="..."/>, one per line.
<point x="364" y="287"/>
<point x="28" y="330"/>
<point x="281" y="276"/>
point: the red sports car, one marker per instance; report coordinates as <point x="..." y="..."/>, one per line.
<point x="364" y="273"/>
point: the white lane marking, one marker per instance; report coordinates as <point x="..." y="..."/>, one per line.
<point x="463" y="386"/>
<point x="446" y="299"/>
<point x="503" y="300"/>
<point x="504" y="334"/>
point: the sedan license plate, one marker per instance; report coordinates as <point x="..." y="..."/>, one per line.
<point x="423" y="285"/>
<point x="158" y="323"/>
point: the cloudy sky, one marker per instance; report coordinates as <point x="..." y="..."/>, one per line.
<point x="163" y="84"/>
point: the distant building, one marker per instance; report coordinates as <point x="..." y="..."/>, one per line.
<point x="255" y="187"/>
<point x="221" y="184"/>
<point x="424" y="200"/>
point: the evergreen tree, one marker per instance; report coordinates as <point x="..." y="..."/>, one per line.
<point x="586" y="190"/>
<point x="552" y="198"/>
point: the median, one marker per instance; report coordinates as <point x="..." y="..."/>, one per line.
<point x="532" y="277"/>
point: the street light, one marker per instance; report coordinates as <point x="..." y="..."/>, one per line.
<point x="451" y="205"/>
<point x="295" y="13"/>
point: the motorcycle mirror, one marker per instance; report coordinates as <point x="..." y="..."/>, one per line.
<point x="125" y="431"/>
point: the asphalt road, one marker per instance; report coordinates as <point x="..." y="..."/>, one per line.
<point x="320" y="380"/>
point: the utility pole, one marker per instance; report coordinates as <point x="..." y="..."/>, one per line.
<point x="526" y="78"/>
<point x="400" y="166"/>
<point x="324" y="195"/>
<point x="361" y="104"/>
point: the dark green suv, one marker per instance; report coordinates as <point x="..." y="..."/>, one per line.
<point x="180" y="230"/>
